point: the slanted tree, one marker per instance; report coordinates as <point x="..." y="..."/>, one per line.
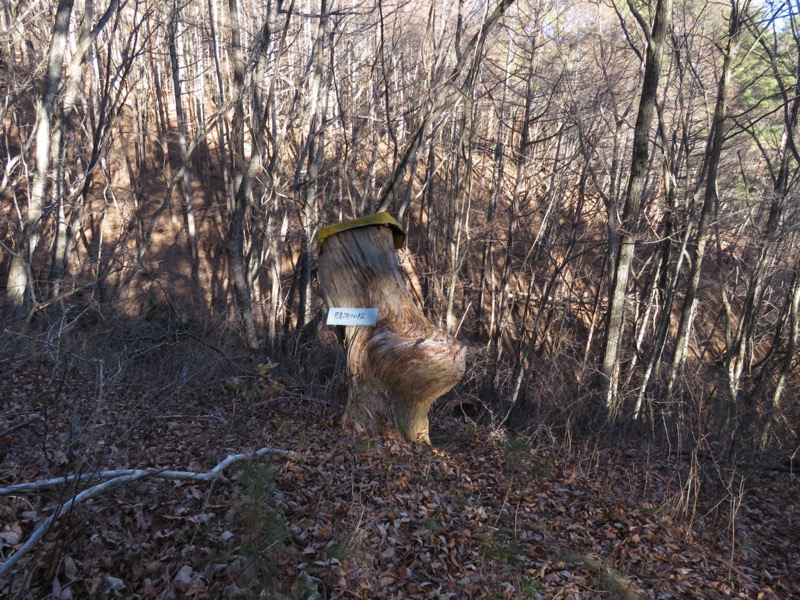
<point x="397" y="369"/>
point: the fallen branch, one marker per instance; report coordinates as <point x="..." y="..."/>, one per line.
<point x="115" y="479"/>
<point x="158" y="473"/>
<point x="63" y="509"/>
<point x="32" y="418"/>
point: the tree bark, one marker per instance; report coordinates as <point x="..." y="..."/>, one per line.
<point x="713" y="156"/>
<point x="243" y="187"/>
<point x="19" y="277"/>
<point x="398" y="368"/>
<point x="629" y="225"/>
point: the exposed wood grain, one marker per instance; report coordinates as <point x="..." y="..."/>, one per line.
<point x="398" y="368"/>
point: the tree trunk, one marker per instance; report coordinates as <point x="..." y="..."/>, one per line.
<point x="175" y="51"/>
<point x="243" y="187"/>
<point x="629" y="225"/>
<point x="20" y="275"/>
<point x="713" y="156"/>
<point x="399" y="367"/>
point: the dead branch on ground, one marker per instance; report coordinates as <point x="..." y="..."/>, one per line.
<point x="116" y="479"/>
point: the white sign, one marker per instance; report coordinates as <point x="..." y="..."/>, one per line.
<point x="352" y="316"/>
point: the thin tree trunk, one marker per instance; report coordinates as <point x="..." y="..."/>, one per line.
<point x="629" y="225"/>
<point x="176" y="49"/>
<point x="714" y="152"/>
<point x="242" y="185"/>
<point x="19" y="283"/>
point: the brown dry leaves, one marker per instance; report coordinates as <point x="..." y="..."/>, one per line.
<point x="478" y="515"/>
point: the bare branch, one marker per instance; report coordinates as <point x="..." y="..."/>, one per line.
<point x="32" y="418"/>
<point x="63" y="509"/>
<point x="642" y="23"/>
<point x="157" y="473"/>
<point x="115" y="479"/>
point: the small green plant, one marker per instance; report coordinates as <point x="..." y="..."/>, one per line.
<point x="259" y="479"/>
<point x="541" y="468"/>
<point x="340" y="549"/>
<point x="461" y="497"/>
<point x="517" y="453"/>
<point x="503" y="548"/>
<point x="453" y="438"/>
<point x="264" y="532"/>
<point x="432" y="525"/>
<point x="364" y="446"/>
<point x="531" y="587"/>
<point x="345" y="544"/>
<point x="785" y="487"/>
<point x="264" y="523"/>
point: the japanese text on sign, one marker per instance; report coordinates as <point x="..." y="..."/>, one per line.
<point x="352" y="316"/>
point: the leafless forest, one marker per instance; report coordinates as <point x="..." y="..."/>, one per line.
<point x="600" y="197"/>
<point x="601" y="202"/>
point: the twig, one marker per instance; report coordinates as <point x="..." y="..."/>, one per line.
<point x="157" y="473"/>
<point x="31" y="419"/>
<point x="195" y="417"/>
<point x="115" y="479"/>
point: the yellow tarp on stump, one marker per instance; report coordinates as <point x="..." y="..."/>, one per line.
<point x="383" y="218"/>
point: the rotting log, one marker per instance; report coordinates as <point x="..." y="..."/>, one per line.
<point x="397" y="368"/>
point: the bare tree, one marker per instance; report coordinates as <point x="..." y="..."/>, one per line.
<point x="19" y="289"/>
<point x="710" y="168"/>
<point x="655" y="35"/>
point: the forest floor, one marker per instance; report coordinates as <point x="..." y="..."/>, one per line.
<point x="480" y="514"/>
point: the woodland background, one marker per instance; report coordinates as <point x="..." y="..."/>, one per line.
<point x="173" y="162"/>
<point x="601" y="199"/>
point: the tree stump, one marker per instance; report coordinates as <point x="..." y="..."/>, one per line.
<point x="397" y="369"/>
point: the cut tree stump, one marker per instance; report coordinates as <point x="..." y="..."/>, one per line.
<point x="397" y="369"/>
